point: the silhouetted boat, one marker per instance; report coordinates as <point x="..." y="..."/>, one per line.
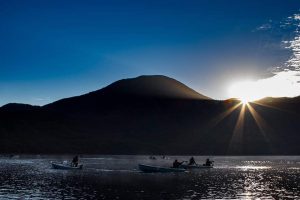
<point x="149" y="168"/>
<point x="65" y="166"/>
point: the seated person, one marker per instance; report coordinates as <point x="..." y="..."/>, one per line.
<point x="75" y="161"/>
<point x="192" y="161"/>
<point x="208" y="162"/>
<point x="176" y="164"/>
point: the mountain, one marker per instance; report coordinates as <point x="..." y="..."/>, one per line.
<point x="18" y="107"/>
<point x="142" y="88"/>
<point x="152" y="115"/>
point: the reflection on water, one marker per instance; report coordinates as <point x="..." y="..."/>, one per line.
<point x="252" y="167"/>
<point x="117" y="177"/>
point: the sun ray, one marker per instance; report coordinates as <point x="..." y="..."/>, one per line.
<point x="237" y="136"/>
<point x="224" y="114"/>
<point x="261" y="123"/>
<point x="272" y="107"/>
<point x="235" y="145"/>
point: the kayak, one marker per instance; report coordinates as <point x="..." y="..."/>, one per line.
<point x="149" y="168"/>
<point x="185" y="166"/>
<point x="65" y="166"/>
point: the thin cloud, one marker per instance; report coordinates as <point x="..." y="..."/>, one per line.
<point x="42" y="99"/>
<point x="285" y="81"/>
<point x="264" y="27"/>
<point x="294" y="45"/>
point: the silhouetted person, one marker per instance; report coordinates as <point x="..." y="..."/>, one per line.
<point x="75" y="161"/>
<point x="152" y="157"/>
<point x="176" y="164"/>
<point x="208" y="162"/>
<point x="192" y="161"/>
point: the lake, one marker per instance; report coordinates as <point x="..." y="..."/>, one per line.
<point x="118" y="177"/>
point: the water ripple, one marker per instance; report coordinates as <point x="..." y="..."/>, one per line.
<point x="118" y="178"/>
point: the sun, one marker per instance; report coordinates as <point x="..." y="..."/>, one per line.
<point x="245" y="91"/>
<point x="281" y="84"/>
<point x="244" y="101"/>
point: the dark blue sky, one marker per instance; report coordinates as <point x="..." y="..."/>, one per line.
<point x="54" y="49"/>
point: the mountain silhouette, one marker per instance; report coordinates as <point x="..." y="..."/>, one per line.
<point x="142" y="88"/>
<point x="18" y="107"/>
<point x="152" y="115"/>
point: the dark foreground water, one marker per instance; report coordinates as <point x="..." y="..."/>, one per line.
<point x="117" y="177"/>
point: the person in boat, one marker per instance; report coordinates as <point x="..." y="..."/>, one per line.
<point x="192" y="161"/>
<point x="208" y="162"/>
<point x="176" y="164"/>
<point x="152" y="158"/>
<point x="75" y="161"/>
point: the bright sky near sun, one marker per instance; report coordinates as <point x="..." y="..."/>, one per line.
<point x="285" y="82"/>
<point x="54" y="49"/>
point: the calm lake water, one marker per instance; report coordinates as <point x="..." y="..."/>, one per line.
<point x="118" y="177"/>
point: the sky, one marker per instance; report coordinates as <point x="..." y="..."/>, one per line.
<point x="54" y="49"/>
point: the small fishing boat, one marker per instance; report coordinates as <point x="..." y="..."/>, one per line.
<point x="150" y="168"/>
<point x="65" y="166"/>
<point x="185" y="166"/>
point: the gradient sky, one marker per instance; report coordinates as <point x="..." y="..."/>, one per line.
<point x="54" y="49"/>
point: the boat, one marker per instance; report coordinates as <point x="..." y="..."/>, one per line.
<point x="65" y="166"/>
<point x="150" y="168"/>
<point x="196" y="166"/>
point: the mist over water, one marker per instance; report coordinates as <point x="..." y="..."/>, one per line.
<point x="118" y="177"/>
